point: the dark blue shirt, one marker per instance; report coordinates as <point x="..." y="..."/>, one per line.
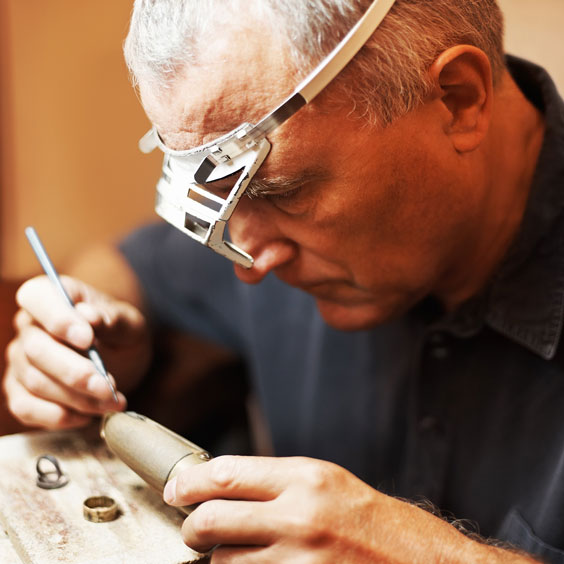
<point x="466" y="410"/>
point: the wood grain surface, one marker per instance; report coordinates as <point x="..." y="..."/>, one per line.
<point x="47" y="526"/>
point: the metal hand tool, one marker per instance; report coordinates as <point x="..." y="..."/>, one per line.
<point x="52" y="274"/>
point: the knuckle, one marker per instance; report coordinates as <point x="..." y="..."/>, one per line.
<point x="31" y="290"/>
<point x="21" y="319"/>
<point x="7" y="381"/>
<point x="204" y="520"/>
<point x="318" y="475"/>
<point x="11" y="352"/>
<point x="24" y="291"/>
<point x="224" y="472"/>
<point x="31" y="344"/>
<point x="33" y="381"/>
<point x="20" y="409"/>
<point x="57" y="326"/>
<point x="77" y="375"/>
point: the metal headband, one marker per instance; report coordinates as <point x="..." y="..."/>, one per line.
<point x="181" y="196"/>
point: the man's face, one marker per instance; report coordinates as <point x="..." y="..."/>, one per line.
<point x="368" y="221"/>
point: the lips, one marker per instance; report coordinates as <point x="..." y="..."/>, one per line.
<point x="338" y="291"/>
<point x="336" y="288"/>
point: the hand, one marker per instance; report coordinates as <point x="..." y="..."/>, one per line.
<point x="309" y="511"/>
<point x="49" y="381"/>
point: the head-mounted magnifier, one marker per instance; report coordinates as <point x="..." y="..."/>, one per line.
<point x="182" y="197"/>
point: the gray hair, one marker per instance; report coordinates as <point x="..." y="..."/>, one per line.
<point x="386" y="80"/>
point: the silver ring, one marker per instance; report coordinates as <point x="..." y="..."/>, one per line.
<point x="52" y="477"/>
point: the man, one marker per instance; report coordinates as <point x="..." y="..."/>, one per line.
<point x="412" y="216"/>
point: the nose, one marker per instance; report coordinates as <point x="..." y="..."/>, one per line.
<point x="254" y="229"/>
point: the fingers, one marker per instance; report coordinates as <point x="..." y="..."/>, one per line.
<point x="301" y="510"/>
<point x="115" y="322"/>
<point x="47" y="383"/>
<point x="258" y="502"/>
<point x="42" y="302"/>
<point x="56" y="360"/>
<point x="38" y="385"/>
<point x="229" y="523"/>
<point x="47" y="363"/>
<point x="229" y="477"/>
<point x="244" y="555"/>
<point x="279" y="510"/>
<point x="37" y="412"/>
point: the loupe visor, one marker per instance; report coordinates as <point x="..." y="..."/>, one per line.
<point x="184" y="192"/>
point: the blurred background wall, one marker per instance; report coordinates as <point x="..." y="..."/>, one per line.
<point x="70" y="120"/>
<point x="535" y="30"/>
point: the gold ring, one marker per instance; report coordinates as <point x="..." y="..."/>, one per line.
<point x="100" y="509"/>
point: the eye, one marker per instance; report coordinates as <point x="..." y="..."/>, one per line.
<point x="294" y="202"/>
<point x="281" y="196"/>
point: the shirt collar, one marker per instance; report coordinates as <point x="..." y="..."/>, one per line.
<point x="525" y="299"/>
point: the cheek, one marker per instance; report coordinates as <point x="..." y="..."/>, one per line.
<point x="399" y="227"/>
<point x="405" y="207"/>
<point x="357" y="215"/>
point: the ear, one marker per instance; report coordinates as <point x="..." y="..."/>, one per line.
<point x="462" y="76"/>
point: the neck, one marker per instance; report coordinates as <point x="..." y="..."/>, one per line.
<point x="508" y="159"/>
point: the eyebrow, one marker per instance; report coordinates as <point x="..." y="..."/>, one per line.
<point x="262" y="187"/>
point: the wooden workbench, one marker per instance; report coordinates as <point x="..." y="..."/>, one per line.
<point x="47" y="526"/>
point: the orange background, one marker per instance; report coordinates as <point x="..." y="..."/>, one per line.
<point x="70" y="121"/>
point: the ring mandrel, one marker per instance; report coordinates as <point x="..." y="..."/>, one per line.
<point x="154" y="452"/>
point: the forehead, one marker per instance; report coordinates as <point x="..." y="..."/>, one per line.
<point x="241" y="75"/>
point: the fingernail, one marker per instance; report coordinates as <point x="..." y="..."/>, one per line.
<point x="106" y="317"/>
<point x="169" y="494"/>
<point x="79" y="335"/>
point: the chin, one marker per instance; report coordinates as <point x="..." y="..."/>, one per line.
<point x="355" y="317"/>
